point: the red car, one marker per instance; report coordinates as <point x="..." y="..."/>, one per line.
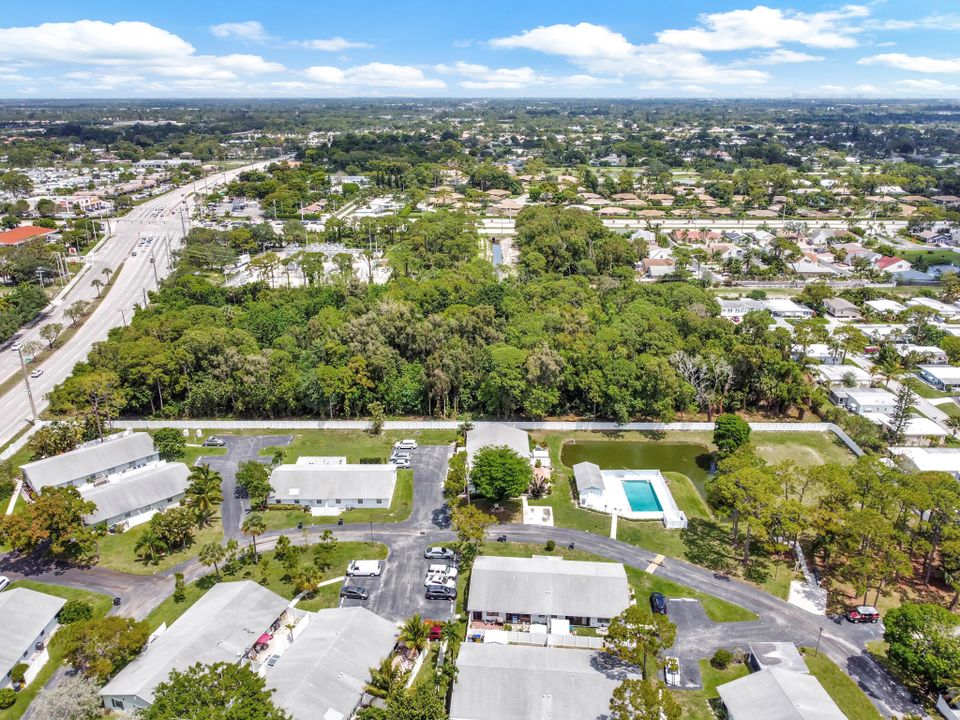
<point x="864" y="614"/>
<point x="435" y="632"/>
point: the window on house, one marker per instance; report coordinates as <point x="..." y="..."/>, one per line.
<point x="360" y="501"/>
<point x="296" y="502"/>
<point x="118" y="704"/>
<point x="379" y="501"/>
<point x="338" y="501"/>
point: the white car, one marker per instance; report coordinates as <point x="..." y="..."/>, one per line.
<point x="364" y="568"/>
<point x="16" y="345"/>
<point x="36" y="373"/>
<point x="441" y="580"/>
<point x="441" y="575"/>
<point x="405" y="444"/>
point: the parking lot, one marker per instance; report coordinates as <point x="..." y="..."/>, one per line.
<point x="399" y="594"/>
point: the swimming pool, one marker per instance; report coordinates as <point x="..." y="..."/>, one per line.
<point x="641" y="496"/>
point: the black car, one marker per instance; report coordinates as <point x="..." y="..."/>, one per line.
<point x="354" y="592"/>
<point x="214" y="442"/>
<point x="439" y="592"/>
<point x="658" y="603"/>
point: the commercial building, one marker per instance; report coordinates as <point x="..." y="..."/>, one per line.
<point x="512" y="682"/>
<point x="23" y="234"/>
<point x="535" y="590"/>
<point x="28" y="619"/>
<point x="331" y="488"/>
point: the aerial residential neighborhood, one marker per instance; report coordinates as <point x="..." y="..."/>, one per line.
<point x="516" y="362"/>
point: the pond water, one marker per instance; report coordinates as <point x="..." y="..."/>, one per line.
<point x="692" y="459"/>
<point x="497" y="254"/>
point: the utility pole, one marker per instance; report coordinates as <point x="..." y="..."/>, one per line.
<point x="816" y="652"/>
<point x="144" y="297"/>
<point x="183" y="223"/>
<point x="153" y="264"/>
<point x="123" y="316"/>
<point x="26" y="381"/>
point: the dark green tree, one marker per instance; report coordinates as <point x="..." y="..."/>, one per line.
<point x="499" y="472"/>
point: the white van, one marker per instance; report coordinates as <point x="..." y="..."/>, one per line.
<point x="365" y="568"/>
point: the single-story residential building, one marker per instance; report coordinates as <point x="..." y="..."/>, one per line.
<point x="222" y="626"/>
<point x="492" y="433"/>
<point x="943" y="310"/>
<point x="842" y="376"/>
<point x="927" y="459"/>
<point x="514" y="682"/>
<point x="930" y="354"/>
<point x="787" y="308"/>
<point x="132" y="498"/>
<point x="918" y="431"/>
<point x="658" y="267"/>
<point x="885" y="306"/>
<point x="28" y="619"/>
<point x="323" y="673"/>
<point x="840" y="308"/>
<point x="862" y="401"/>
<point x="534" y="590"/>
<point x="331" y="488"/>
<point x="735" y="310"/>
<point x="891" y="264"/>
<point x="945" y="378"/>
<point x="783" y="695"/>
<point x="92" y="461"/>
<point x="820" y="353"/>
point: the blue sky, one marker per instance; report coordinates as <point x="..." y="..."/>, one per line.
<point x="602" y="48"/>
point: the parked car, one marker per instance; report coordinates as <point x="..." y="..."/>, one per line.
<point x="441" y="592"/>
<point x="439" y="553"/>
<point x="16" y="345"/>
<point x="436" y="632"/>
<point x="354" y="592"/>
<point x="405" y="444"/>
<point x="863" y="614"/>
<point x="440" y="575"/>
<point x="658" y="603"/>
<point x="272" y="660"/>
<point x="4" y="581"/>
<point x="37" y="373"/>
<point x="214" y="441"/>
<point x="364" y="568"/>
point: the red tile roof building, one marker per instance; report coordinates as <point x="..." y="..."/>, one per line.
<point x="19" y="236"/>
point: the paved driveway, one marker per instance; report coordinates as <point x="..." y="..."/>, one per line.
<point x="240" y="448"/>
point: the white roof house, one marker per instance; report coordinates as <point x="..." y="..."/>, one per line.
<point x="134" y="495"/>
<point x="333" y="485"/>
<point x="783" y="695"/>
<point x="917" y="428"/>
<point x="931" y="354"/>
<point x="547" y="587"/>
<point x="885" y="306"/>
<point x="868" y="400"/>
<point x="486" y="434"/>
<point x="322" y="675"/>
<point x="26" y="617"/>
<point x="514" y="682"/>
<point x="92" y="461"/>
<point x="222" y="626"/>
<point x="940" y="308"/>
<point x="942" y="377"/>
<point x="787" y="308"/>
<point x="734" y="310"/>
<point x="923" y="459"/>
<point x="839" y="375"/>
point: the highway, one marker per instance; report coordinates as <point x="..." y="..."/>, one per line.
<point x="159" y="218"/>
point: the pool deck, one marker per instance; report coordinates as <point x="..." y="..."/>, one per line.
<point x="614" y="499"/>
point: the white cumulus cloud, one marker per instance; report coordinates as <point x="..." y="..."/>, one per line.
<point x="375" y="75"/>
<point x="334" y="44"/>
<point x="249" y="30"/>
<point x="913" y="63"/>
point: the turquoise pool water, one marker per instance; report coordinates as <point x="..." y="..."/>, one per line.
<point x="641" y="496"/>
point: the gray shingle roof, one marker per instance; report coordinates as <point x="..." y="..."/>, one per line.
<point x="588" y="476"/>
<point x="783" y="695"/>
<point x="23" y="614"/>
<point x="91" y="460"/>
<point x="485" y="434"/>
<point x="220" y="627"/>
<point x="548" y="586"/>
<point x="328" y="666"/>
<point x="330" y="482"/>
<point x="137" y="489"/>
<point x="515" y="682"/>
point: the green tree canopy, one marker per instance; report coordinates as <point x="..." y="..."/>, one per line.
<point x="499" y="472"/>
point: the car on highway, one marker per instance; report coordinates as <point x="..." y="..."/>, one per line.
<point x="439" y="553"/>
<point x="441" y="592"/>
<point x="354" y="592"/>
<point x="16" y="345"/>
<point x="658" y="603"/>
<point x="863" y="614"/>
<point x="364" y="568"/>
<point x="407" y="444"/>
<point x="214" y="441"/>
<point x="37" y="372"/>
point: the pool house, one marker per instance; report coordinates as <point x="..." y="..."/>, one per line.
<point x="632" y="494"/>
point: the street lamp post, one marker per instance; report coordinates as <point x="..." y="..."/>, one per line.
<point x="123" y="316"/>
<point x="26" y="381"/>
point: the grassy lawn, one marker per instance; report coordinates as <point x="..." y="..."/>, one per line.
<point x="117" y="551"/>
<point x="696" y="703"/>
<point x="400" y="508"/>
<point x="196" y="451"/>
<point x="924" y="390"/>
<point x="101" y="604"/>
<point x="803" y="448"/>
<point x="642" y="583"/>
<point x="845" y="693"/>
<point x="276" y="578"/>
<point x="354" y="444"/>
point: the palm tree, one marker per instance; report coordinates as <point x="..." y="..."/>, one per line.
<point x="150" y="547"/>
<point x="204" y="494"/>
<point x="107" y="272"/>
<point x="253" y="525"/>
<point x="889" y="370"/>
<point x="385" y="679"/>
<point x="212" y="553"/>
<point x="306" y="578"/>
<point x="97" y="284"/>
<point x="953" y="422"/>
<point x="414" y="633"/>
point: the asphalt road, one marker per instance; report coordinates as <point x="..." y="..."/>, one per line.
<point x="240" y="448"/>
<point x="159" y="218"/>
